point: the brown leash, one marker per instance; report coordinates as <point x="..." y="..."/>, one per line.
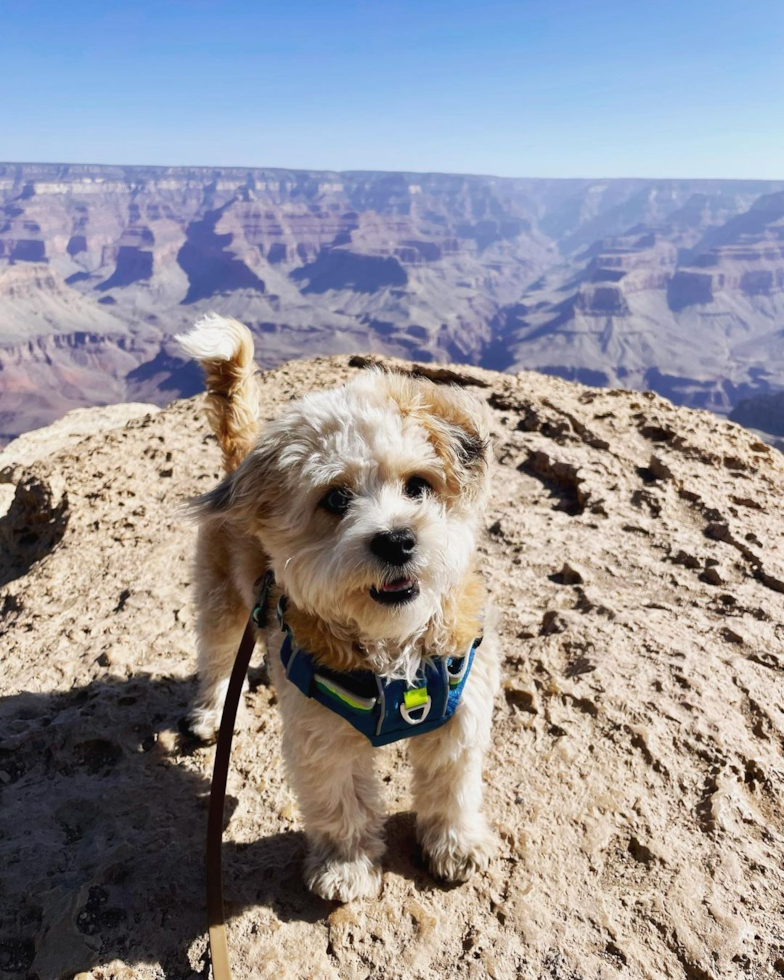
<point x="216" y="919"/>
<point x="219" y="950"/>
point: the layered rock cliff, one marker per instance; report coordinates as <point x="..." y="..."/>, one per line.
<point x="672" y="285"/>
<point x="684" y="307"/>
<point x="635" y="554"/>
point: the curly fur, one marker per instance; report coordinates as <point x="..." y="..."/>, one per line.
<point x="370" y="436"/>
<point x="224" y="348"/>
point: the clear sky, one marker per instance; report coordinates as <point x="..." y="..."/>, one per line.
<point x="553" y="88"/>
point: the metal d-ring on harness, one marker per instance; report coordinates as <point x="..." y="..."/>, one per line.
<point x="384" y="711"/>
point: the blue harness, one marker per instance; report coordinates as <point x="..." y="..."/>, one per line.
<point x="382" y="710"/>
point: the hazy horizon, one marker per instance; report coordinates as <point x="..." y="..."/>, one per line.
<point x="383" y="170"/>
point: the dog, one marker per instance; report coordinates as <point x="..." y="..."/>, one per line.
<point x="365" y="502"/>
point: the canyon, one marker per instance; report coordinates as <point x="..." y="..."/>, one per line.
<point x="671" y="285"/>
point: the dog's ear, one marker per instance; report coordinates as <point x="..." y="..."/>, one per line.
<point x="240" y="495"/>
<point x="457" y="424"/>
<point x="459" y="428"/>
<point x="472" y="443"/>
<point x="216" y="503"/>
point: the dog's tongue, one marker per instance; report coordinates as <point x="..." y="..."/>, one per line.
<point x="399" y="585"/>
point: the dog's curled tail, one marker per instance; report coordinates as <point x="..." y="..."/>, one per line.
<point x="224" y="348"/>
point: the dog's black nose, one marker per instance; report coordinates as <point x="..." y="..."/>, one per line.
<point x="394" y="547"/>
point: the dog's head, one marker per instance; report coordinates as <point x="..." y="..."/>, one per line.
<point x="366" y="498"/>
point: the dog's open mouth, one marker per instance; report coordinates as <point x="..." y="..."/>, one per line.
<point x="396" y="592"/>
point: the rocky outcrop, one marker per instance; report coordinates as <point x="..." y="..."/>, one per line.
<point x="634" y="554"/>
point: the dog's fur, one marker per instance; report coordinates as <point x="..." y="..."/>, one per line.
<point x="370" y="436"/>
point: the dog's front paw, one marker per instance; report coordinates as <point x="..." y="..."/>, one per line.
<point x="455" y="854"/>
<point x="342" y="880"/>
<point x="204" y="719"/>
<point x="202" y="723"/>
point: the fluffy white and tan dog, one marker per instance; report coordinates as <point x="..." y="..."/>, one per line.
<point x="365" y="502"/>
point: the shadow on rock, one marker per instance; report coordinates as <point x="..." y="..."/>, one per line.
<point x="33" y="526"/>
<point x="102" y="830"/>
<point x="404" y="856"/>
<point x="103" y="813"/>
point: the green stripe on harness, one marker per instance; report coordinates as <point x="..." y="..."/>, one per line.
<point x="339" y="693"/>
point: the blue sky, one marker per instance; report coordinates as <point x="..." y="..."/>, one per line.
<point x="552" y="88"/>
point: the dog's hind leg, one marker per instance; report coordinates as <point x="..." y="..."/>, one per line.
<point x="330" y="767"/>
<point x="452" y="830"/>
<point x="221" y="618"/>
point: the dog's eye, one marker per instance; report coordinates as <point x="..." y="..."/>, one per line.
<point x="417" y="487"/>
<point x="337" y="500"/>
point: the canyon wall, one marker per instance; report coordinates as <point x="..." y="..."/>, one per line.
<point x="675" y="285"/>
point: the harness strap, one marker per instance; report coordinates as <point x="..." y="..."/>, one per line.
<point x="382" y="710"/>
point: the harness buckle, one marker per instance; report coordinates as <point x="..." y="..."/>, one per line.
<point x="415" y="699"/>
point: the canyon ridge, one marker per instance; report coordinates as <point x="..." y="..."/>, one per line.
<point x="676" y="286"/>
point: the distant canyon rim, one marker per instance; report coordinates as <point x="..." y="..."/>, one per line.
<point x="676" y="286"/>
